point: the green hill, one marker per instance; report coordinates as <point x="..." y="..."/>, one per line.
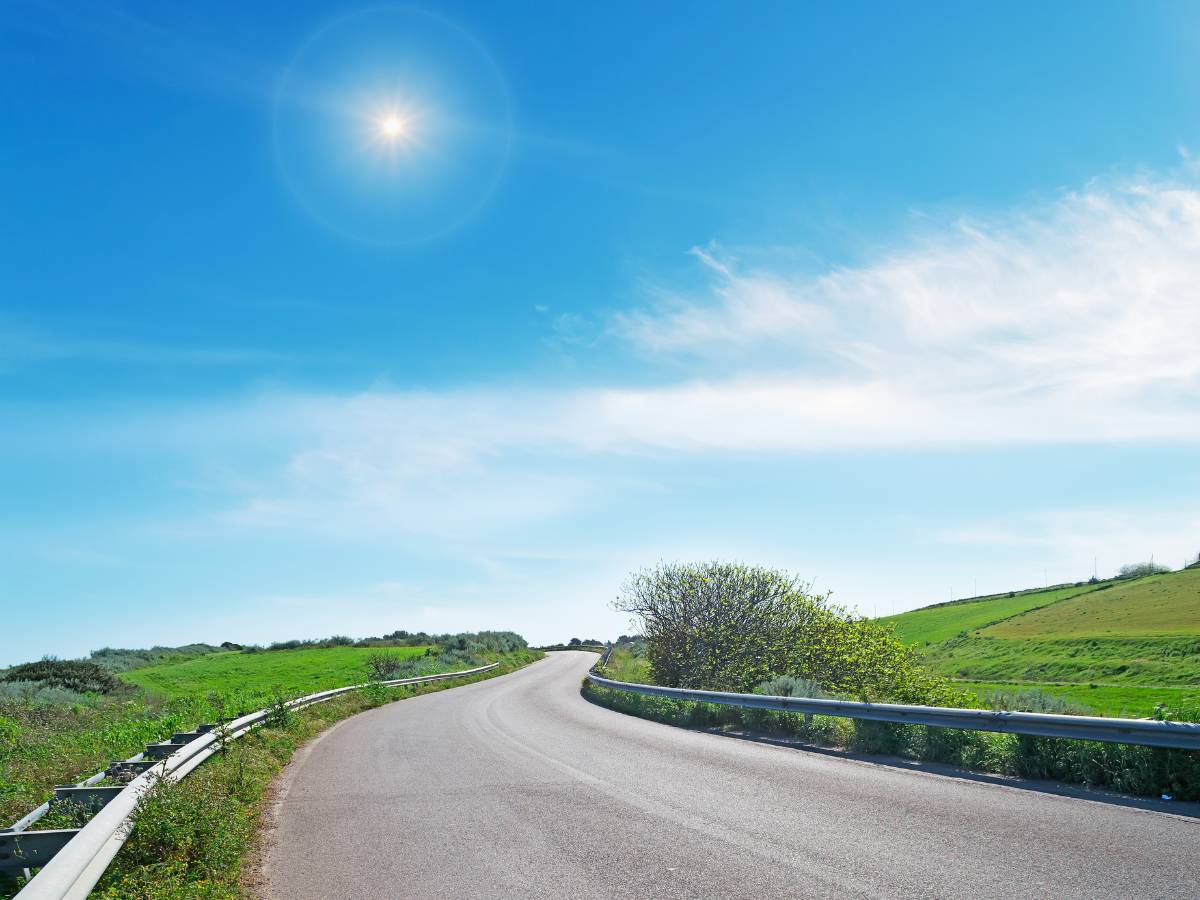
<point x="288" y="672"/>
<point x="943" y="621"/>
<point x="1159" y="605"/>
<point x="1116" y="647"/>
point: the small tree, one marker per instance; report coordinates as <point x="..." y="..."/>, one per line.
<point x="382" y="666"/>
<point x="1142" y="569"/>
<point x="730" y="627"/>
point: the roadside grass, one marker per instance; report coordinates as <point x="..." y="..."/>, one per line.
<point x="43" y="745"/>
<point x="288" y="671"/>
<point x="933" y="624"/>
<point x="192" y="839"/>
<point x="624" y="665"/>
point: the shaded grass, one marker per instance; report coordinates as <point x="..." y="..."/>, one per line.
<point x="191" y="839"/>
<point x="288" y="671"/>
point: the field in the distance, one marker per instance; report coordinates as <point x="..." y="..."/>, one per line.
<point x="1116" y="648"/>
<point x="933" y="624"/>
<point x="288" y="672"/>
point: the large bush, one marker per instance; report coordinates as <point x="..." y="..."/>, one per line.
<point x="730" y="627"/>
<point x="67" y="674"/>
<point x="1142" y="569"/>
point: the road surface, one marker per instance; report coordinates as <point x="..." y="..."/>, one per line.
<point x="517" y="787"/>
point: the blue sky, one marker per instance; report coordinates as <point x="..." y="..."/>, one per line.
<point x="903" y="300"/>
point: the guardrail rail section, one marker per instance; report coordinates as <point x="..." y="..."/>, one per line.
<point x="71" y="860"/>
<point x="1145" y="732"/>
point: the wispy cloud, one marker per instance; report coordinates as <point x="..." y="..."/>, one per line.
<point x="1077" y="321"/>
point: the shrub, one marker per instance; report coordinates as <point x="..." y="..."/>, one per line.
<point x="383" y="666"/>
<point x="68" y="674"/>
<point x="787" y="686"/>
<point x="729" y="627"/>
<point x="35" y="693"/>
<point x="1033" y="700"/>
<point x="1140" y="570"/>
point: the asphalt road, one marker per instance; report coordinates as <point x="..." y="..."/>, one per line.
<point x="517" y="787"/>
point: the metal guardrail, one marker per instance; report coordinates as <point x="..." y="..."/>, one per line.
<point x="78" y="857"/>
<point x="1145" y="732"/>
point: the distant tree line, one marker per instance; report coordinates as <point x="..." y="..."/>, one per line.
<point x="494" y="641"/>
<point x="122" y="659"/>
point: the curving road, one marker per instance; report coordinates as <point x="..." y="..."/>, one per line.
<point x="517" y="787"/>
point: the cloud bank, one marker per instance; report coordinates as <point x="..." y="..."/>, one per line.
<point x="1076" y="322"/>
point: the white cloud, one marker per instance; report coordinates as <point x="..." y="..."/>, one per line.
<point x="1078" y="321"/>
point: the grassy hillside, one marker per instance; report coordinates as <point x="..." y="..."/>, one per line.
<point x="285" y="671"/>
<point x="1160" y="605"/>
<point x="943" y="621"/>
<point x="1116" y="648"/>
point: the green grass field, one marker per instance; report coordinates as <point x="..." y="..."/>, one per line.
<point x="1161" y="605"/>
<point x="1118" y="648"/>
<point x="932" y="624"/>
<point x="287" y="672"/>
<point x="1112" y="700"/>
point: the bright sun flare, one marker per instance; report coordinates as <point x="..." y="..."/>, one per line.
<point x="391" y="126"/>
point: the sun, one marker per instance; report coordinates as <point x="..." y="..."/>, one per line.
<point x="391" y="127"/>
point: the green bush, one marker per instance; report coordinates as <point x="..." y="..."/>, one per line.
<point x="729" y="627"/>
<point x="68" y="674"/>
